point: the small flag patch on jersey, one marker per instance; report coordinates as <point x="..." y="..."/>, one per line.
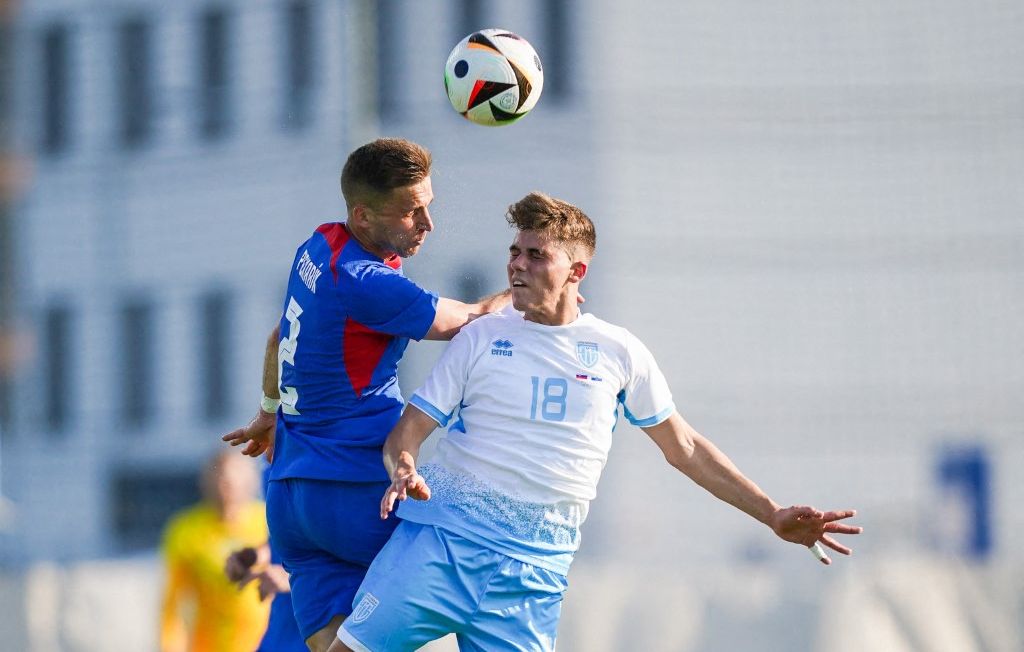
<point x="581" y="376"/>
<point x="586" y="377"/>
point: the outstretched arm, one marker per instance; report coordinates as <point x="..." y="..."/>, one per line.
<point x="452" y="315"/>
<point x="691" y="453"/>
<point x="400" y="452"/>
<point x="174" y="635"/>
<point x="258" y="434"/>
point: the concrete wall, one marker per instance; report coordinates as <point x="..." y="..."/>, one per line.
<point x="913" y="603"/>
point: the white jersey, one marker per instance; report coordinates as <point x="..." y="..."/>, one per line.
<point x="530" y="410"/>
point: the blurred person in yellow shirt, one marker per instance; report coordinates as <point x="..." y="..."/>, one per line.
<point x="202" y="610"/>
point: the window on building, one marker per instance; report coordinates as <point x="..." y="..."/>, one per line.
<point x="58" y="364"/>
<point x="557" y="54"/>
<point x="135" y="81"/>
<point x="138" y="365"/>
<point x="215" y="354"/>
<point x="214" y="66"/>
<point x="390" y="78"/>
<point x="298" y="64"/>
<point x="144" y="500"/>
<point x="56" y="102"/>
<point x="471" y="18"/>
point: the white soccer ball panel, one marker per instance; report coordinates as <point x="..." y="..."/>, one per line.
<point x="493" y="77"/>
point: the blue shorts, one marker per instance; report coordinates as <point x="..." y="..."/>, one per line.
<point x="282" y="633"/>
<point x="326" y="534"/>
<point x="428" y="582"/>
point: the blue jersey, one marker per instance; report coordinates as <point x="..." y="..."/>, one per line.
<point x="348" y="316"/>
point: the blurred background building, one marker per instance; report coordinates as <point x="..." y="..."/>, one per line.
<point x="811" y="213"/>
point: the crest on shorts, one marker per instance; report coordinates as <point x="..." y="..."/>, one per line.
<point x="587" y="353"/>
<point x="364" y="608"/>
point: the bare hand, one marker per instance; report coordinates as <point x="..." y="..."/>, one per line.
<point x="269" y="582"/>
<point x="258" y="435"/>
<point x="806" y="525"/>
<point x="406" y="484"/>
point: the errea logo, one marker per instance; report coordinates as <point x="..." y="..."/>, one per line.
<point x="502" y="347"/>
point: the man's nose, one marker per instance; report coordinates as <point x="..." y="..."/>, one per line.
<point x="425" y="223"/>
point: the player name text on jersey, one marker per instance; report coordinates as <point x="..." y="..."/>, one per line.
<point x="308" y="271"/>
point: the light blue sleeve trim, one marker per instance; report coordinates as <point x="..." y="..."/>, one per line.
<point x="649" y="421"/>
<point x="431" y="411"/>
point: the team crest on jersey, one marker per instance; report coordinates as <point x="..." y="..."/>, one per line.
<point x="364" y="608"/>
<point x="501" y="347"/>
<point x="587" y="353"/>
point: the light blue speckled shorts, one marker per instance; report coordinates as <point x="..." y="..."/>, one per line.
<point x="428" y="582"/>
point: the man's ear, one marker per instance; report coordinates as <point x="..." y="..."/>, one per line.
<point x="360" y="215"/>
<point x="578" y="271"/>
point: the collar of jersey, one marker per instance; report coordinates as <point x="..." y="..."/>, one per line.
<point x="580" y="315"/>
<point x="369" y="254"/>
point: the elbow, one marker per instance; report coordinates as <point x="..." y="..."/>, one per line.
<point x="681" y="454"/>
<point x="678" y="459"/>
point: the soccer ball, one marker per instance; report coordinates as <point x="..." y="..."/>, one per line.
<point x="493" y="77"/>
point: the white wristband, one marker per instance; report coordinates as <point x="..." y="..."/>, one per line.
<point x="270" y="405"/>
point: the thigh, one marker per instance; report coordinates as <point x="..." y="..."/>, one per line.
<point x="417" y="590"/>
<point x="325" y="542"/>
<point x="519" y="611"/>
<point x="343" y="518"/>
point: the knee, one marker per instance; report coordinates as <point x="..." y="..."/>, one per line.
<point x="326" y="639"/>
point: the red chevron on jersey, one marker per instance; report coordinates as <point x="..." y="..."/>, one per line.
<point x="363" y="349"/>
<point x="337" y="237"/>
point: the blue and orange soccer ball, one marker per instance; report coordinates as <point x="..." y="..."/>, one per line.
<point x="493" y="77"/>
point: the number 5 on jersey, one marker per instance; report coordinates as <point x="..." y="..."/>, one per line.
<point x="286" y="353"/>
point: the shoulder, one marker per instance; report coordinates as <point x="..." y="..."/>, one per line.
<point x="487" y="328"/>
<point x="254" y="521"/>
<point x="183" y="525"/>
<point x="620" y="343"/>
<point x="360" y="274"/>
<point x="616" y="337"/>
<point x="494" y="322"/>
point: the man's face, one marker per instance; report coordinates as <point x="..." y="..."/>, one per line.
<point x="232" y="482"/>
<point x="401" y="222"/>
<point x="538" y="272"/>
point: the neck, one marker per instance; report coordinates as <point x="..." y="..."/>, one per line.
<point x="227" y="513"/>
<point x="564" y="312"/>
<point x="364" y="239"/>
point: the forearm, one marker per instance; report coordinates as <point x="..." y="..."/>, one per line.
<point x="714" y="471"/>
<point x="400" y="452"/>
<point x="452" y="315"/>
<point x="402" y="447"/>
<point x="270" y="380"/>
<point x="173" y="633"/>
